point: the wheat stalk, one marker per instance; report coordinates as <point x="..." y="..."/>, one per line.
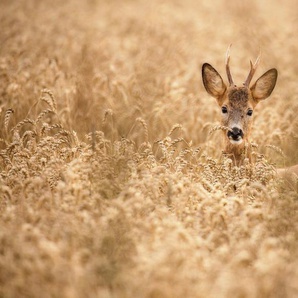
<point x="175" y="127"/>
<point x="23" y="122"/>
<point x="218" y="127"/>
<point x="276" y="149"/>
<point x="50" y="100"/>
<point x="42" y="114"/>
<point x="7" y="118"/>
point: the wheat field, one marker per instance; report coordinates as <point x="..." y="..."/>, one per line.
<point x="113" y="182"/>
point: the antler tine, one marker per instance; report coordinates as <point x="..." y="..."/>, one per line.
<point x="228" y="67"/>
<point x="253" y="68"/>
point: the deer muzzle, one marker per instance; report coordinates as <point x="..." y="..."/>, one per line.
<point x="235" y="135"/>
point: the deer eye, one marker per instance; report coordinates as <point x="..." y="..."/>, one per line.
<point x="249" y="112"/>
<point x="224" y="110"/>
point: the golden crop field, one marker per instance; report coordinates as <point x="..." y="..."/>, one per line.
<point x="113" y="182"/>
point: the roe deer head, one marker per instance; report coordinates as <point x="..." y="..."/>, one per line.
<point x="237" y="104"/>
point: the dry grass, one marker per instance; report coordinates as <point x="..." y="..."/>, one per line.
<point x="111" y="184"/>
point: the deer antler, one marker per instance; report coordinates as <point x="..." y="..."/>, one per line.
<point x="253" y="68"/>
<point x="228" y="67"/>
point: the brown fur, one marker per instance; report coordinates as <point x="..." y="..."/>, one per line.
<point x="237" y="101"/>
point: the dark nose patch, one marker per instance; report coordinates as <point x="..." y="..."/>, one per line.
<point x="235" y="134"/>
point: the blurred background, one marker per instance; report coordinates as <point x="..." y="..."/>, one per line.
<point x="111" y="62"/>
<point x="117" y="213"/>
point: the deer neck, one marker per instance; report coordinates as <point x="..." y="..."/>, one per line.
<point x="237" y="153"/>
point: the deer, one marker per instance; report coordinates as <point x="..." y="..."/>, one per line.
<point x="237" y="105"/>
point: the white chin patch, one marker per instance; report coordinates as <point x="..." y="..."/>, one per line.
<point x="238" y="142"/>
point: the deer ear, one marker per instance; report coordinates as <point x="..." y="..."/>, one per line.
<point x="264" y="85"/>
<point x="212" y="81"/>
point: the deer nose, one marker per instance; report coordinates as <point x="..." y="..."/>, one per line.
<point x="235" y="134"/>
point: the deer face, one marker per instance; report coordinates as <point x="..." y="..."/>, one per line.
<point x="237" y="112"/>
<point x="237" y="103"/>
